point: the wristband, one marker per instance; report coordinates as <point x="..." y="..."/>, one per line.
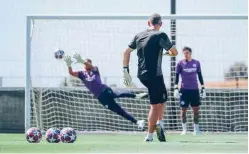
<point x="126" y="68"/>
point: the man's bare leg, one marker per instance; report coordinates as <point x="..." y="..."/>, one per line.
<point x="152" y="119"/>
<point x="153" y="115"/>
<point x="160" y="114"/>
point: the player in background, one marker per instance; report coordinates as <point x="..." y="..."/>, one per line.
<point x="106" y="96"/>
<point x="189" y="69"/>
<point x="150" y="44"/>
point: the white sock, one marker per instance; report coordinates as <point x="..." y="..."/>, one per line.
<point x="184" y="126"/>
<point x="196" y="127"/>
<point x="160" y="122"/>
<point x="149" y="136"/>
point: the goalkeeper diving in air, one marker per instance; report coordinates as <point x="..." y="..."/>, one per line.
<point x="189" y="69"/>
<point x="106" y="96"/>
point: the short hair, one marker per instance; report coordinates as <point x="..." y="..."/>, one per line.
<point x="88" y="60"/>
<point x="187" y="48"/>
<point x="155" y="19"/>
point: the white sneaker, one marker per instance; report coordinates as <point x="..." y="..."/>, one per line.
<point x="197" y="132"/>
<point x="141" y="95"/>
<point x="184" y="128"/>
<point x="149" y="137"/>
<point x="197" y="129"/>
<point x="184" y="132"/>
<point x="141" y="124"/>
<point x="148" y="140"/>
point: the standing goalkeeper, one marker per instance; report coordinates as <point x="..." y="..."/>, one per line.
<point x="189" y="68"/>
<point x="106" y="96"/>
<point x="150" y="44"/>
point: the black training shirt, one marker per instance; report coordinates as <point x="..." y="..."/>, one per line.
<point x="150" y="45"/>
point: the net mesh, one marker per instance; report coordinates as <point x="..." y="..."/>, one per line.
<point x="61" y="101"/>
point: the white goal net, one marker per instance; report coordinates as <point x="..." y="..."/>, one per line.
<point x="53" y="99"/>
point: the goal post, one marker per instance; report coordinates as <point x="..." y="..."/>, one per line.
<point x="47" y="104"/>
<point x="28" y="77"/>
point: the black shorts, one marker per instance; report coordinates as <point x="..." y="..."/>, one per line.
<point x="156" y="88"/>
<point x="189" y="97"/>
<point x="106" y="97"/>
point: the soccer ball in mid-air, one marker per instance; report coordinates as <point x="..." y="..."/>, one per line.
<point x="68" y="135"/>
<point x="34" y="135"/>
<point x="59" y="54"/>
<point x="53" y="135"/>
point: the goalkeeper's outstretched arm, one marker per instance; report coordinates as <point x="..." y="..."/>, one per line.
<point x="69" y="62"/>
<point x="71" y="72"/>
<point x="86" y="62"/>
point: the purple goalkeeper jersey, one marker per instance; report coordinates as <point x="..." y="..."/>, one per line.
<point x="188" y="71"/>
<point x="92" y="81"/>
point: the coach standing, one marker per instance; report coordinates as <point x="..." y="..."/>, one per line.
<point x="150" y="44"/>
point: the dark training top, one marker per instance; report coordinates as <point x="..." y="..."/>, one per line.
<point x="150" y="45"/>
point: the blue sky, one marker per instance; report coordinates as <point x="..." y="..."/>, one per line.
<point x="12" y="48"/>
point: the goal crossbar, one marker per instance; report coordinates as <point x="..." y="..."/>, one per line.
<point x="138" y="17"/>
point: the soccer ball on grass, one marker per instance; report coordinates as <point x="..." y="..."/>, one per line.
<point x="53" y="135"/>
<point x="34" y="135"/>
<point x="68" y="135"/>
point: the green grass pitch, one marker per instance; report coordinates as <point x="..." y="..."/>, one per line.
<point x="130" y="143"/>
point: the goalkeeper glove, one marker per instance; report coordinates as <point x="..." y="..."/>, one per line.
<point x="203" y="92"/>
<point x="127" y="77"/>
<point x="68" y="61"/>
<point x="176" y="92"/>
<point x="78" y="58"/>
